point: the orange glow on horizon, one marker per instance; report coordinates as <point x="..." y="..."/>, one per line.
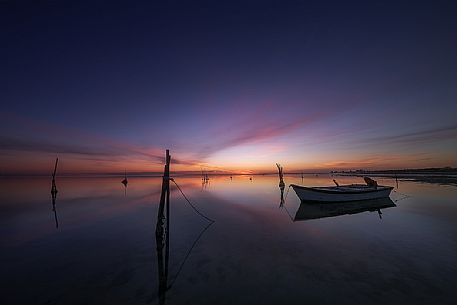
<point x="231" y="162"/>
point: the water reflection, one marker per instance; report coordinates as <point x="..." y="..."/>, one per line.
<point x="125" y="182"/>
<point x="281" y="188"/>
<point x="54" y="193"/>
<point x="163" y="231"/>
<point x="163" y="255"/>
<point x="308" y="211"/>
<point x="163" y="258"/>
<point x="54" y="198"/>
<point x="106" y="254"/>
<point x="205" y="183"/>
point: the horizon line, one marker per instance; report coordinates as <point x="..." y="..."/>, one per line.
<point x="221" y="173"/>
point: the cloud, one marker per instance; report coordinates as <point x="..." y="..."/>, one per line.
<point x="91" y="151"/>
<point x="30" y="135"/>
<point x="255" y="132"/>
<point x="95" y="151"/>
<point x="419" y="137"/>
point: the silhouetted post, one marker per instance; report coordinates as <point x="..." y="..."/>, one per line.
<point x="167" y="240"/>
<point x="165" y="189"/>
<point x="161" y="232"/>
<point x="281" y="175"/>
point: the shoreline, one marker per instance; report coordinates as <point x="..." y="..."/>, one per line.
<point x="434" y="178"/>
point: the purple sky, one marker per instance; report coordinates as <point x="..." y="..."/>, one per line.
<point x="232" y="86"/>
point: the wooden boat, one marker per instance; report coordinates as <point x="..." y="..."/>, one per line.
<point x="342" y="193"/>
<point x="320" y="210"/>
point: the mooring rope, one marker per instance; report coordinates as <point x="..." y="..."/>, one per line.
<point x="190" y="203"/>
<point x="405" y="196"/>
<point x="188" y="254"/>
<point x="287" y="211"/>
<point x="211" y="221"/>
<point x="284" y="203"/>
<point x="287" y="193"/>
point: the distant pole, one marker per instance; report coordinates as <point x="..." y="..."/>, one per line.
<point x="54" y="187"/>
<point x="281" y="175"/>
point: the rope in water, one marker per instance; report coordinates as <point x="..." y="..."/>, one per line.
<point x="211" y="221"/>
<point x="287" y="193"/>
<point x="283" y="205"/>
<point x="188" y="254"/>
<point x="190" y="203"/>
<point x="405" y="196"/>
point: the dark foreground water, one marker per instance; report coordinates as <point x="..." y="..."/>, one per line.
<point x="104" y="248"/>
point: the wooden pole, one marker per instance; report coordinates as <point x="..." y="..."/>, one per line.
<point x="167" y="232"/>
<point x="55" y="168"/>
<point x="162" y="234"/>
<point x="280" y="173"/>
<point x="165" y="189"/>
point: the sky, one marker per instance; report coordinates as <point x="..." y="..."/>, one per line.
<point x="230" y="86"/>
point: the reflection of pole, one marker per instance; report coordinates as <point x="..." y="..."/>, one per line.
<point x="53" y="187"/>
<point x="54" y="192"/>
<point x="54" y="197"/>
<point x="161" y="232"/>
<point x="167" y="246"/>
<point x="281" y="203"/>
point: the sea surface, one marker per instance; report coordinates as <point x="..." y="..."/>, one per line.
<point x="97" y="243"/>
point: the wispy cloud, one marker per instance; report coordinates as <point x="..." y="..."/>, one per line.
<point x="419" y="137"/>
<point x="89" y="151"/>
<point x="32" y="136"/>
<point x="252" y="133"/>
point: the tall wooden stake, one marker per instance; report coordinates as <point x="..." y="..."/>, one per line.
<point x="162" y="234"/>
<point x="163" y="195"/>
<point x="280" y="173"/>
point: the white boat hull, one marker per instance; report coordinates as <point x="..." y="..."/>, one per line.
<point x="342" y="193"/>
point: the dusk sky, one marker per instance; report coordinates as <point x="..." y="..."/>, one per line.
<point x="226" y="85"/>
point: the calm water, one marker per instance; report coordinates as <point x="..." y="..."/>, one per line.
<point x="104" y="248"/>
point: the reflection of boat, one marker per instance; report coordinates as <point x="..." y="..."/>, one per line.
<point x="340" y="193"/>
<point x="320" y="210"/>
